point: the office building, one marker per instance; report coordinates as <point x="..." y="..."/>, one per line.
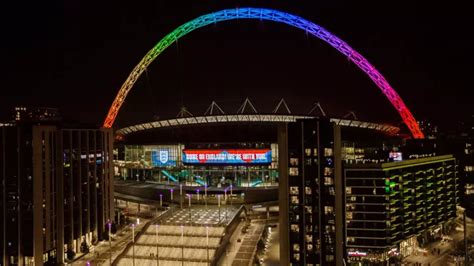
<point x="57" y="190"/>
<point x="310" y="197"/>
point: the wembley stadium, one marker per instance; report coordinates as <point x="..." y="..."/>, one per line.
<point x="218" y="153"/>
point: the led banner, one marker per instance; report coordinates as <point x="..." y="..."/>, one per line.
<point x="247" y="156"/>
<point x="161" y="158"/>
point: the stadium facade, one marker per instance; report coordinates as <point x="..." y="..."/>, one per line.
<point x="335" y="179"/>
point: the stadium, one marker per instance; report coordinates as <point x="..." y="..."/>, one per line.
<point x="234" y="155"/>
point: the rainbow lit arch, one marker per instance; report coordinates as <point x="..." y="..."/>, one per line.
<point x="272" y="15"/>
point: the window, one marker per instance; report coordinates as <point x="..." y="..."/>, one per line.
<point x="307" y="161"/>
<point x="349" y="215"/>
<point x="296" y="256"/>
<point x="294" y="191"/>
<point x="309" y="209"/>
<point x="295" y="200"/>
<point x="469" y="168"/>
<point x="328" y="181"/>
<point x="328" y="210"/>
<point x="330" y="228"/>
<point x="348" y="190"/>
<point x="309" y="247"/>
<point x="295" y="228"/>
<point x="293" y="171"/>
<point x="329" y="162"/>
<point x="329" y="258"/>
<point x="307" y="190"/>
<point x="294" y="161"/>
<point x="309" y="238"/>
<point x="332" y="192"/>
<point x="315" y="152"/>
<point x="296" y="247"/>
<point x="328" y="171"/>
<point x="307" y="152"/>
<point x="328" y="152"/>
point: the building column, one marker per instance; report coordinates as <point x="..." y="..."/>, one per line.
<point x="283" y="193"/>
<point x="339" y="198"/>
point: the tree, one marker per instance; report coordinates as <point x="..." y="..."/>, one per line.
<point x="84" y="247"/>
<point x="113" y="230"/>
<point x="70" y="254"/>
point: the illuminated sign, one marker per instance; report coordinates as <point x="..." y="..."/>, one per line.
<point x="244" y="156"/>
<point x="395" y="156"/>
<point x="357" y="253"/>
<point x="161" y="158"/>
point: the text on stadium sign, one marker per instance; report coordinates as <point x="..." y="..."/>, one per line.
<point x="240" y="156"/>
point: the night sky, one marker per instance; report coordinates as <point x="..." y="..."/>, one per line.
<point x="75" y="55"/>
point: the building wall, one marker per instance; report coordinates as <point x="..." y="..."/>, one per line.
<point x="88" y="185"/>
<point x="391" y="202"/>
<point x="42" y="180"/>
<point x="308" y="183"/>
<point x="44" y="193"/>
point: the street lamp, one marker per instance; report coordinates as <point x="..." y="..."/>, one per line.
<point x="171" y="194"/>
<point x="219" y="204"/>
<point x="197" y="193"/>
<point x="133" y="244"/>
<point x="205" y="193"/>
<point x="230" y="194"/>
<point x="110" y="242"/>
<point x="182" y="245"/>
<point x="181" y="195"/>
<point x="189" y="197"/>
<point x="161" y="200"/>
<point x="157" y="248"/>
<point x="207" y="247"/>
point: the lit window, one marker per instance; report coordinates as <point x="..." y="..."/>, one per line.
<point x="295" y="200"/>
<point x="328" y="171"/>
<point x="348" y="190"/>
<point x="328" y="152"/>
<point x="307" y="190"/>
<point x="307" y="152"/>
<point x="296" y="256"/>
<point x="328" y="210"/>
<point x="295" y="228"/>
<point x="294" y="190"/>
<point x="348" y="215"/>
<point x="296" y="247"/>
<point x="293" y="171"/>
<point x="294" y="161"/>
<point x="328" y="181"/>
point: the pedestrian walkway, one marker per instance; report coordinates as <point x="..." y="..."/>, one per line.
<point x="249" y="245"/>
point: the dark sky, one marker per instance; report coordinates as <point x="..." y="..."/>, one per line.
<point x="75" y="55"/>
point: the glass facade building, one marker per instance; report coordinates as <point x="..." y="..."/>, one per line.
<point x="57" y="191"/>
<point x="392" y="208"/>
<point x="310" y="193"/>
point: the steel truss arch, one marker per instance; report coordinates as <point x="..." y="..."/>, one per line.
<point x="271" y="15"/>
<point x="248" y="118"/>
